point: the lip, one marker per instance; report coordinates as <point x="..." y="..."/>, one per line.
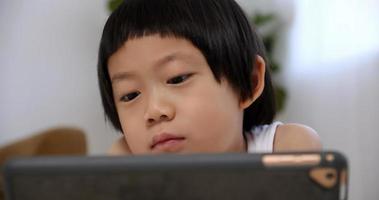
<point x="165" y="141"/>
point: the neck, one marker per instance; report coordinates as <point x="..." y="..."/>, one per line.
<point x="241" y="146"/>
<point x="244" y="143"/>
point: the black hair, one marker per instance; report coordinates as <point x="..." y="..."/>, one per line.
<point x="218" y="28"/>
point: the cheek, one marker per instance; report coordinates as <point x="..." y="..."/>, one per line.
<point x="126" y="121"/>
<point x="132" y="127"/>
<point x="211" y="113"/>
<point x="131" y="116"/>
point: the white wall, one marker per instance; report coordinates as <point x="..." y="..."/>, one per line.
<point x="329" y="51"/>
<point x="330" y="54"/>
<point x="48" y="56"/>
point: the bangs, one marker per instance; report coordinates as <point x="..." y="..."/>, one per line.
<point x="204" y="23"/>
<point x="139" y="18"/>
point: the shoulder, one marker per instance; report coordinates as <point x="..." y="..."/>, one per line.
<point x="296" y="137"/>
<point x="119" y="147"/>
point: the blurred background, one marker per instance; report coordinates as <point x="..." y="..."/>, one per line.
<point x="327" y="50"/>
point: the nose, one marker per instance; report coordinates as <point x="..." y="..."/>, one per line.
<point x="159" y="108"/>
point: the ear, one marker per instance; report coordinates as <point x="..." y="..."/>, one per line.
<point x="258" y="78"/>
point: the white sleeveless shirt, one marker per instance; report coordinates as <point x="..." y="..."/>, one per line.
<point x="261" y="138"/>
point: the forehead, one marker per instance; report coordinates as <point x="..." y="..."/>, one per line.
<point x="154" y="51"/>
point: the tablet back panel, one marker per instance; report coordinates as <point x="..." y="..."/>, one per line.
<point x="190" y="177"/>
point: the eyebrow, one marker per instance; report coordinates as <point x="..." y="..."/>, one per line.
<point x="121" y="76"/>
<point x="160" y="62"/>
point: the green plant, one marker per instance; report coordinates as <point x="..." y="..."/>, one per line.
<point x="113" y="4"/>
<point x="269" y="40"/>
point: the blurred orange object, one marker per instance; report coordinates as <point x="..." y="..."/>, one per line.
<point x="55" y="141"/>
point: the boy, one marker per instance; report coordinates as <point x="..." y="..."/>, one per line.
<point x="189" y="76"/>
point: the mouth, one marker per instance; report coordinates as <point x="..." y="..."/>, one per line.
<point x="167" y="143"/>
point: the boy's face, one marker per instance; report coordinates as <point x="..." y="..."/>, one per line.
<point x="168" y="100"/>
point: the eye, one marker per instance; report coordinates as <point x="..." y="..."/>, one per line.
<point x="179" y="79"/>
<point x="129" y="97"/>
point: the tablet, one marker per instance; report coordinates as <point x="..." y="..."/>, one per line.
<point x="294" y="176"/>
